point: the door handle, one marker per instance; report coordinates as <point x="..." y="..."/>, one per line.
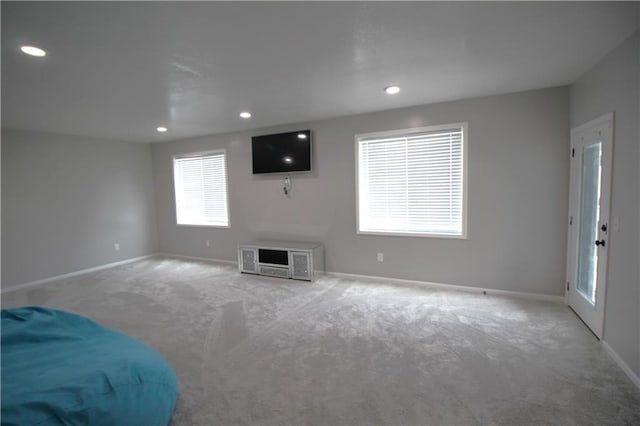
<point x="600" y="243"/>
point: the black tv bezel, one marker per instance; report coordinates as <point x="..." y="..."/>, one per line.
<point x="310" y="142"/>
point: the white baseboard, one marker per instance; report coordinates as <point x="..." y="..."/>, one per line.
<point x="201" y="259"/>
<point x="73" y="274"/>
<point x="467" y="289"/>
<point x="623" y="365"/>
<point x="477" y="290"/>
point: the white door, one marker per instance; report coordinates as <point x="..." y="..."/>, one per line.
<point x="300" y="262"/>
<point x="248" y="260"/>
<point x="588" y="242"/>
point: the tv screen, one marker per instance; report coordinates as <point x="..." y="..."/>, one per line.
<point x="282" y="153"/>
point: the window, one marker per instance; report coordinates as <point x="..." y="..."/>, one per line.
<point x="412" y="182"/>
<point x="201" y="189"/>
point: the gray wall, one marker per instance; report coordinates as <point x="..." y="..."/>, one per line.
<point x="66" y="200"/>
<point x="612" y="85"/>
<point x="518" y="190"/>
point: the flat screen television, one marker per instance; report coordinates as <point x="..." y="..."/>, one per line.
<point x="282" y="153"/>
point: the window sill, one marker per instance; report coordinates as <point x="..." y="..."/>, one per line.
<point x="413" y="234"/>
<point x="200" y="225"/>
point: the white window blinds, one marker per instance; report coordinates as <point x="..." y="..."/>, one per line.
<point x="201" y="190"/>
<point x="411" y="182"/>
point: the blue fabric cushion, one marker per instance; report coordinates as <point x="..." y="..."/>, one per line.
<point x="61" y="368"/>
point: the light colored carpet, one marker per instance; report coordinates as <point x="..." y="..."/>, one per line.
<point x="252" y="350"/>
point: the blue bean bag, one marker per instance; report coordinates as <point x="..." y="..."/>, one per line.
<point x="61" y="368"/>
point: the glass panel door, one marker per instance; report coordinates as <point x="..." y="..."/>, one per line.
<point x="589" y="201"/>
<point x="589" y="219"/>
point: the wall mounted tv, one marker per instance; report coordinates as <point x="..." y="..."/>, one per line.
<point x="282" y="153"/>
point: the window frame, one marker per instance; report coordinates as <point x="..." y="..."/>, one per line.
<point x="175" y="195"/>
<point x="465" y="172"/>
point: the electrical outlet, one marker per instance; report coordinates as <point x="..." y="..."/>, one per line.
<point x="207" y="243"/>
<point x="380" y="257"/>
<point x="116" y="246"/>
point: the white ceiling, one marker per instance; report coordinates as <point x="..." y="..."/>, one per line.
<point x="118" y="70"/>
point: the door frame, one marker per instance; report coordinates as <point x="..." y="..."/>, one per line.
<point x="603" y="123"/>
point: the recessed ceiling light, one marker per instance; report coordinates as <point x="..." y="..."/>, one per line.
<point x="302" y="136"/>
<point x="161" y="129"/>
<point x="245" y="114"/>
<point x="33" y="51"/>
<point x="392" y="90"/>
